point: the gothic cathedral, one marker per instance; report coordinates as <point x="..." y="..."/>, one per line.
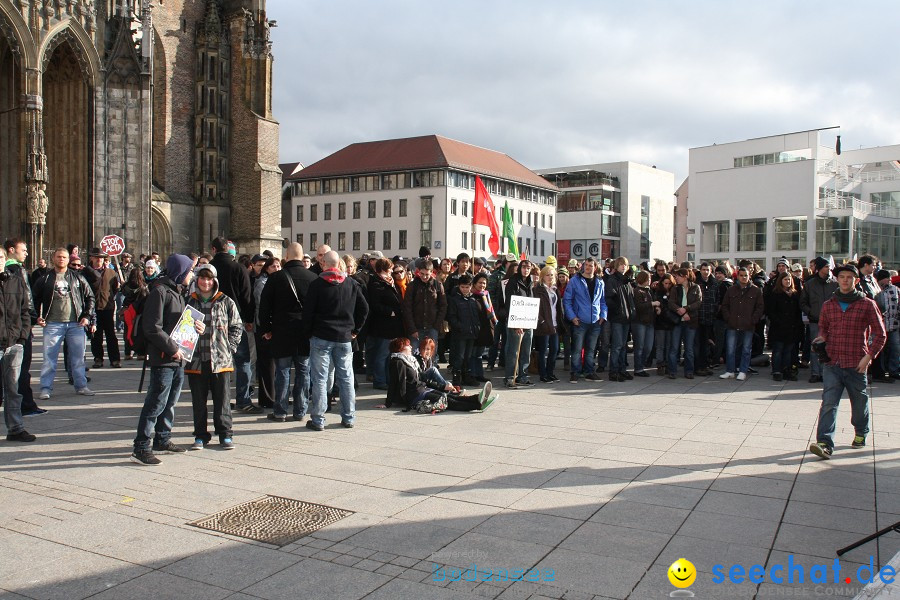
<point x="148" y="120"/>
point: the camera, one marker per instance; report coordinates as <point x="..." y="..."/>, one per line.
<point x="821" y="352"/>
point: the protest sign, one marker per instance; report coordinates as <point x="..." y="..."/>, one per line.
<point x="523" y="312"/>
<point x="184" y="334"/>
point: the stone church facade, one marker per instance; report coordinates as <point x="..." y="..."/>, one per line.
<point x="152" y="121"/>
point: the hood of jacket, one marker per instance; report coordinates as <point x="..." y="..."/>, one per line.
<point x="333" y="276"/>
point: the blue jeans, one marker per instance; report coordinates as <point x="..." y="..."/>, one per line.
<point x="735" y="339"/>
<point x="662" y="339"/>
<point x="547" y="347"/>
<point x="782" y="356"/>
<point x="283" y="383"/>
<point x="10" y="367"/>
<point x="476" y="364"/>
<point x="433" y="375"/>
<point x="460" y="353"/>
<point x="321" y="356"/>
<point x="891" y="353"/>
<point x="815" y="367"/>
<point x="158" y="414"/>
<point x="496" y="350"/>
<point x="584" y="337"/>
<point x="377" y="355"/>
<point x="618" y="359"/>
<point x="54" y="334"/>
<point x="243" y="371"/>
<point x="643" y="342"/>
<point x="518" y="353"/>
<point x="835" y="379"/>
<point x="425" y="332"/>
<point x="680" y="332"/>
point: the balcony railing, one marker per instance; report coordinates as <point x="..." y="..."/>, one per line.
<point x="876" y="210"/>
<point x="883" y="175"/>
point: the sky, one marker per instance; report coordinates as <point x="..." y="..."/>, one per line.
<point x="567" y="82"/>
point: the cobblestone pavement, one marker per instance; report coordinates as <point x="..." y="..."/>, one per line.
<point x="589" y="491"/>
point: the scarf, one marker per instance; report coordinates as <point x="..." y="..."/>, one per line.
<point x="401" y="285"/>
<point x="848" y="298"/>
<point x="409" y="359"/>
<point x="488" y="305"/>
<point x="333" y="276"/>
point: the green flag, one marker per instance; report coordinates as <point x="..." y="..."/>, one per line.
<point x="508" y="231"/>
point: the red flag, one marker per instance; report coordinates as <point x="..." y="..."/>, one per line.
<point x="483" y="214"/>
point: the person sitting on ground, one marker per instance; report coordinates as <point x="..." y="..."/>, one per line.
<point x="409" y="389"/>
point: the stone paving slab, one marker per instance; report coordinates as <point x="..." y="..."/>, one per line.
<point x="603" y="485"/>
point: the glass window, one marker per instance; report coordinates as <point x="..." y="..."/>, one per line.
<point x="356" y="210"/>
<point x="833" y="236"/>
<point x="327" y="211"/>
<point x="452" y="206"/>
<point x="520" y="217"/>
<point x="372" y="209"/>
<point x="401" y="241"/>
<point x="342" y="241"/>
<point x="751" y="236"/>
<point x="715" y="236"/>
<point x="386" y="238"/>
<point x="300" y="238"/>
<point x="645" y="227"/>
<point x="543" y="221"/>
<point x="313" y="241"/>
<point x="551" y="221"/>
<point x="402" y="207"/>
<point x="542" y="248"/>
<point x="342" y="211"/>
<point x="482" y="242"/>
<point x="371" y="240"/>
<point x="465" y="239"/>
<point x="300" y="212"/>
<point x="387" y="208"/>
<point x="425" y="221"/>
<point x="465" y="208"/>
<point x="313" y="212"/>
<point x="529" y="218"/>
<point x="790" y="234"/>
<point x="356" y="240"/>
<point x="327" y="238"/>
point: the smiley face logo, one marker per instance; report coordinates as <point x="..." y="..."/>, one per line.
<point x="682" y="573"/>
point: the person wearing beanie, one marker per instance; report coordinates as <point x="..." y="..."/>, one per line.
<point x="818" y="288"/>
<point x="887" y="366"/>
<point x="425" y="252"/>
<point x="212" y="363"/>
<point x="151" y="270"/>
<point x="550" y="261"/>
<point x="161" y="314"/>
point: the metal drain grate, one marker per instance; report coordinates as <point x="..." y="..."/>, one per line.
<point x="272" y="519"/>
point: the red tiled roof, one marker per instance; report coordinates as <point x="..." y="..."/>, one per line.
<point x="424" y="152"/>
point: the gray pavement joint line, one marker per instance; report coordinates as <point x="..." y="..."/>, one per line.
<point x="786" y="504"/>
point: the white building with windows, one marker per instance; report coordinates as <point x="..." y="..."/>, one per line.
<point x="398" y="195"/>
<point x="614" y="209"/>
<point x="791" y="195"/>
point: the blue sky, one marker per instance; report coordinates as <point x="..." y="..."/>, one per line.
<point x="575" y="82"/>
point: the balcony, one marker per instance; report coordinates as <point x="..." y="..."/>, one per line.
<point x="862" y="209"/>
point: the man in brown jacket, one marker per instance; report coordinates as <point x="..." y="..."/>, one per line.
<point x="742" y="308"/>
<point x="107" y="284"/>
<point x="424" y="305"/>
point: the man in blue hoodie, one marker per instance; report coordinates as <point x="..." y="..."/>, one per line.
<point x="160" y="316"/>
<point x="585" y="305"/>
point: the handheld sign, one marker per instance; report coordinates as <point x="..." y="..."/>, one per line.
<point x="184" y="334"/>
<point x="112" y="245"/>
<point x="523" y="312"/>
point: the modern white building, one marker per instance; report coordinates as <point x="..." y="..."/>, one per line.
<point x="791" y="195"/>
<point x="614" y="209"/>
<point x="398" y="195"/>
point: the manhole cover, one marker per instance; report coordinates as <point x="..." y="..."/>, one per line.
<point x="272" y="519"/>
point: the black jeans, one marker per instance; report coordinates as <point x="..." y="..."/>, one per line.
<point x="201" y="385"/>
<point x="705" y="332"/>
<point x="265" y="372"/>
<point x="106" y="325"/>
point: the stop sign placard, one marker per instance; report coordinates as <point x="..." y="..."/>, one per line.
<point x="112" y="245"/>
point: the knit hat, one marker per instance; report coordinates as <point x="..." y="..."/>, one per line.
<point x="151" y="263"/>
<point x="849" y="268"/>
<point x="231" y="249"/>
<point x="723" y="270"/>
<point x="784" y="261"/>
<point x="424" y="251"/>
<point x="573" y="263"/>
<point x="207" y="267"/>
<point x="820" y="262"/>
<point x="178" y="266"/>
<point x="882" y="274"/>
<point x="796" y="267"/>
<point x="550" y="261"/>
<point x="510" y="257"/>
<point x="563" y="271"/>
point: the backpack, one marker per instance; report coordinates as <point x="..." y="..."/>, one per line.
<point x="134" y="332"/>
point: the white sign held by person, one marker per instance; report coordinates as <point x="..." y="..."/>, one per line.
<point x="523" y="312"/>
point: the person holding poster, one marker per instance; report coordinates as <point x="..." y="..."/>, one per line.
<point x="212" y="363"/>
<point x="518" y="339"/>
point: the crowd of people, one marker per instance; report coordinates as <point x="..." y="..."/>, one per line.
<point x="329" y="317"/>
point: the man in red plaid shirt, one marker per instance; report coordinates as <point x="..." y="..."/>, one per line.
<point x="851" y="327"/>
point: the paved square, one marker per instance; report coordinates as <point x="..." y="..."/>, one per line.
<point x="579" y="491"/>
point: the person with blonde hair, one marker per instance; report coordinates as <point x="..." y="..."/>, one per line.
<point x="550" y="324"/>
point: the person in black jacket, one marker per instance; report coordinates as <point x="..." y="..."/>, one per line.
<point x="518" y="341"/>
<point x="782" y="306"/>
<point x="335" y="311"/>
<point x="161" y="314"/>
<point x="234" y="282"/>
<point x="465" y="323"/>
<point x="15" y="329"/>
<point x="386" y="322"/>
<point x="620" y="304"/>
<point x="280" y="316"/>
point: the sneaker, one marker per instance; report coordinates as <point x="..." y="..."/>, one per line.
<point x="347" y="424"/>
<point x="45" y="395"/>
<point x="752" y="371"/>
<point x="169" y="448"/>
<point x="146" y="458"/>
<point x="545" y="380"/>
<point x="197" y="445"/>
<point x="277" y="418"/>
<point x="727" y="375"/>
<point x="35" y="412"/>
<point x="777" y="377"/>
<point x="626" y="376"/>
<point x="820" y="450"/>
<point x="859" y="441"/>
<point x="671" y="376"/>
<point x="741" y="376"/>
<point x="815" y="379"/>
<point x="227" y="444"/>
<point x="641" y="374"/>
<point x="22" y="436"/>
<point x="553" y="378"/>
<point x="311" y="425"/>
<point x="115" y="365"/>
<point x="84" y="392"/>
<point x="98" y="364"/>
<point x="573" y="378"/>
<point x="525" y="382"/>
<point x="490" y="400"/>
<point x="251" y="409"/>
<point x="593" y="377"/>
<point x="510" y="383"/>
<point x="485" y="393"/>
